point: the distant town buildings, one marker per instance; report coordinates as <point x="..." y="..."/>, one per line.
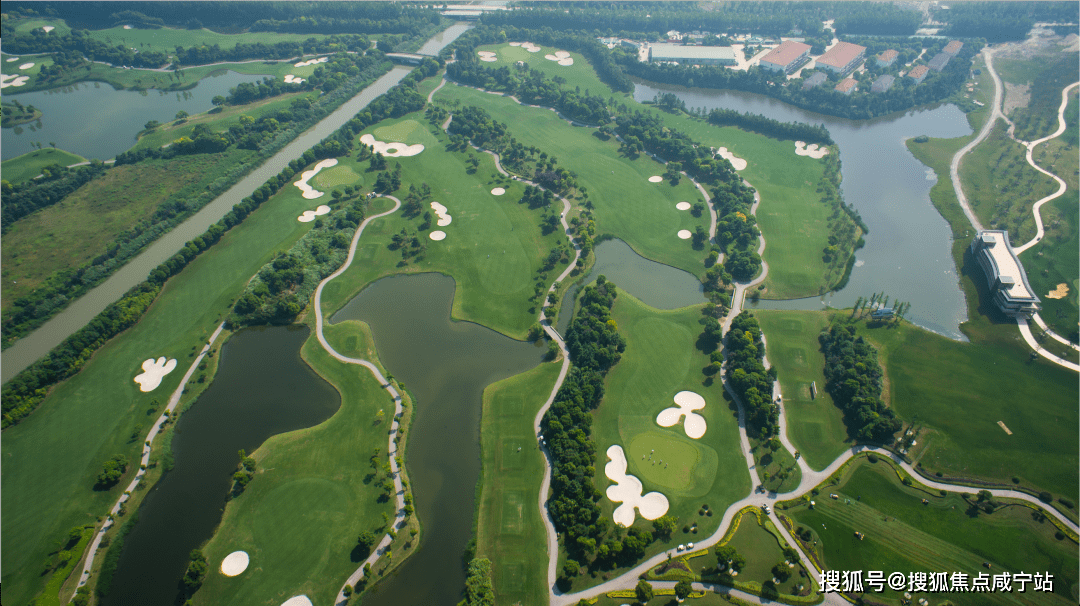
<point x="953" y="47"/>
<point x="842" y="58"/>
<point x="787" y="57"/>
<point x="1005" y="277"/>
<point x="887" y="58"/>
<point x="882" y="84"/>
<point x="814" y="81"/>
<point x="847" y="86"/>
<point x="697" y="55"/>
<point x="939" y="61"/>
<point x="918" y="73"/>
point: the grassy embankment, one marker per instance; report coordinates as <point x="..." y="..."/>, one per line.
<point x="661" y="360"/>
<point x="29" y="165"/>
<point x="67" y="235"/>
<point x="787" y="183"/>
<point x="494" y="246"/>
<point x="510" y="529"/>
<point x="314" y="488"/>
<point x="54" y="455"/>
<point x="902" y="534"/>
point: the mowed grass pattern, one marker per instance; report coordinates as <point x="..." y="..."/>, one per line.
<point x="815" y="425"/>
<point x="299" y="517"/>
<point x="510" y="530"/>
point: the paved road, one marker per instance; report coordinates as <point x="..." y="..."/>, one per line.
<point x="995" y="113"/>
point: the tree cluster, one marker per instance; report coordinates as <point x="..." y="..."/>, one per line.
<point x="1002" y="21"/>
<point x="757" y="123"/>
<point x="748" y="377"/>
<point x="478" y="588"/>
<point x="111" y="472"/>
<point x="853" y="378"/>
<point x="203" y="54"/>
<point x="79" y="41"/>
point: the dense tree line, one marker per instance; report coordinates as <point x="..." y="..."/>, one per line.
<point x="757" y="123"/>
<point x="478" y="589"/>
<point x="595" y="346"/>
<point x="748" y="377"/>
<point x="38" y="41"/>
<point x="201" y="55"/>
<point x="296" y="17"/>
<point x="1002" y="21"/>
<point x="770" y="18"/>
<point x="853" y="378"/>
<point x="57" y="181"/>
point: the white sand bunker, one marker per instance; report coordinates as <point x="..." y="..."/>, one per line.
<point x="234" y="563"/>
<point x="12" y="60"/>
<point x="26" y="66"/>
<point x="297" y="600"/>
<point x="810" y="150"/>
<point x="498" y="191"/>
<point x="627" y="490"/>
<point x="736" y="163"/>
<point x="655" y="179"/>
<point x="566" y="62"/>
<point x="310" y="193"/>
<point x="127" y="27"/>
<point x="529" y="46"/>
<point x="153" y="372"/>
<point x="291" y="79"/>
<point x="684" y="234"/>
<point x="47" y="28"/>
<point x="13" y="80"/>
<point x="437" y="235"/>
<point x="309" y="215"/>
<point x="683" y="206"/>
<point x="311" y="62"/>
<point x="688" y="402"/>
<point x="559" y="57"/>
<point x="392" y="149"/>
<point x="487" y="56"/>
<point x="440" y="212"/>
<point x="1058" y="293"/>
<point x="515" y="44"/>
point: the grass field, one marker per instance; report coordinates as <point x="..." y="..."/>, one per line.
<point x="580" y="74"/>
<point x="167" y="39"/>
<point x="509" y="528"/>
<point x="493" y="248"/>
<point x="642" y="214"/>
<point x="90" y="417"/>
<point x="69" y="234"/>
<point x="660" y="361"/>
<point x="1002" y="187"/>
<point x="815" y="426"/>
<point x="762" y="551"/>
<point x="29" y="165"/>
<point x="27" y="25"/>
<point x="776" y="469"/>
<point x="299" y="517"/>
<point x="903" y="534"/>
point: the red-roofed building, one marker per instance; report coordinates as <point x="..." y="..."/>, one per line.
<point x="842" y="58"/>
<point x="953" y="47"/>
<point x="887" y="58"/>
<point x="918" y="73"/>
<point x="787" y="57"/>
<point x="847" y="86"/>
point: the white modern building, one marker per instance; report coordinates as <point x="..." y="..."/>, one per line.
<point x="1005" y="277"/>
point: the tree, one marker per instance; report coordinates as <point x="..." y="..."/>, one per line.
<point x="683" y="589"/>
<point x="665" y="526"/>
<point x="180" y="115"/>
<point x="367" y="540"/>
<point x="644" y="591"/>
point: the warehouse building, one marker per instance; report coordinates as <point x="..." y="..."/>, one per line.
<point x="787" y="57"/>
<point x="842" y="58"/>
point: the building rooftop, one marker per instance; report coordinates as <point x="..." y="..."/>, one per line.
<point x="846" y="85"/>
<point x="939" y="61"/>
<point x="840" y="55"/>
<point x="675" y="52"/>
<point x="953" y="47"/>
<point x="918" y="71"/>
<point x="888" y="55"/>
<point x="814" y="80"/>
<point x="1006" y="263"/>
<point x="787" y="52"/>
<point x="882" y="84"/>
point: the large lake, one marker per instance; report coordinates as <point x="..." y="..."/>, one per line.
<point x="908" y="252"/>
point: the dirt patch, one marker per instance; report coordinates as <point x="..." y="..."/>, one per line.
<point x="1016" y="95"/>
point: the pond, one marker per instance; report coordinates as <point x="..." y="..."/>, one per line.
<point x="95" y="120"/>
<point x="445" y="365"/>
<point x="908" y="250"/>
<point x="262" y="388"/>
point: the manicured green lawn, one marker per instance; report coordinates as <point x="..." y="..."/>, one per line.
<point x="661" y="360"/>
<point x="580" y="74"/>
<point x="815" y="426"/>
<point x="313" y="495"/>
<point x="494" y="246"/>
<point x="53" y="456"/>
<point x="904" y="535"/>
<point x="642" y="214"/>
<point x="762" y="551"/>
<point x="27" y="25"/>
<point x="509" y="529"/>
<point x="29" y="165"/>
<point x="166" y="39"/>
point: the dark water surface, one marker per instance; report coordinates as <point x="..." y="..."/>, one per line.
<point x="908" y="252"/>
<point x="262" y="388"/>
<point x="445" y="365"/>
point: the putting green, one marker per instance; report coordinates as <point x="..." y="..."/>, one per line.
<point x="338" y="175"/>
<point x="688" y="468"/>
<point x="401" y="132"/>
